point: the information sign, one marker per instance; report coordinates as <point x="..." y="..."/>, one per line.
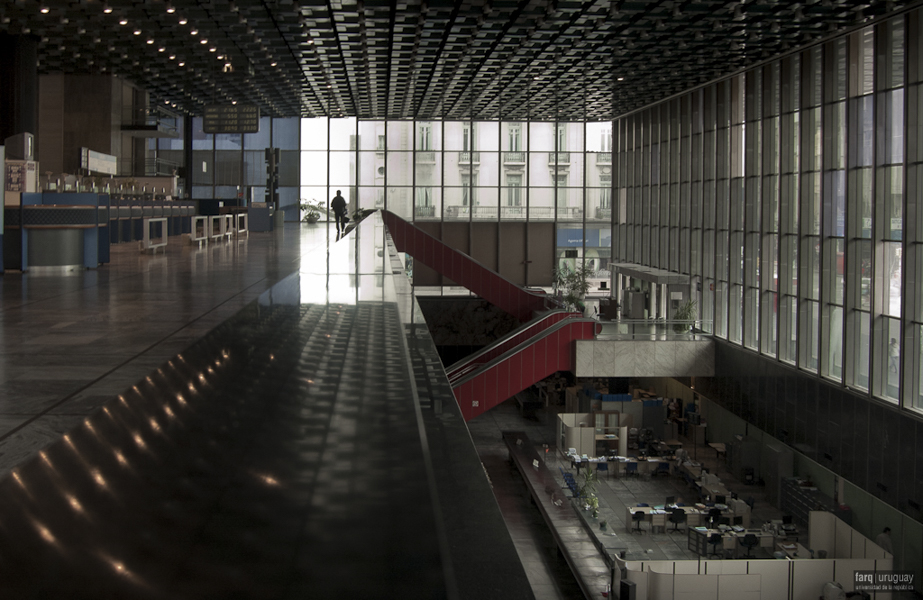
<point x="231" y="118"/>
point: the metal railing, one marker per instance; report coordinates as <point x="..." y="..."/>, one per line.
<point x="157" y="116"/>
<point x="426" y="156"/>
<point x="469" y="157"/>
<point x="423" y="212"/>
<point x="157" y="167"/>
<point x="603" y="158"/>
<point x="563" y="158"/>
<point x="650" y="329"/>
<point x="514" y="157"/>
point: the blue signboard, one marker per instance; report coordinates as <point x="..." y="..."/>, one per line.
<point x="571" y="238"/>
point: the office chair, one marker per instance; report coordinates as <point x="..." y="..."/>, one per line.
<point x="631" y="468"/>
<point x="601" y="466"/>
<point x="638" y="518"/>
<point x="662" y="469"/>
<point x="715" y="539"/>
<point x="750" y="542"/>
<point x="676" y="517"/>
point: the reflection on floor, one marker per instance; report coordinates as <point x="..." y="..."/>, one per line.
<point x="69" y="343"/>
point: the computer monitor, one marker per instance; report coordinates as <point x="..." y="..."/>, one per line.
<point x="720" y="500"/>
<point x="786" y="519"/>
<point x="670" y="501"/>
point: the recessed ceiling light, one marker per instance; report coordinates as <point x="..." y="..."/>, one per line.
<point x="194" y="32"/>
<point x="621" y="79"/>
<point x="272" y="64"/>
<point x="203" y="41"/>
<point x="183" y="21"/>
<point x="44" y="10"/>
<point x="137" y="32"/>
<point x="212" y="49"/>
<point x="182" y="64"/>
<point x="107" y="9"/>
<point x="161" y="49"/>
<point x="123" y="21"/>
<point x="150" y="42"/>
<point x="172" y="57"/>
<point x="170" y="9"/>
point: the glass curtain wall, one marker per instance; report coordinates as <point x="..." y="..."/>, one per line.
<point x="232" y="167"/>
<point x="790" y="194"/>
<point x="471" y="171"/>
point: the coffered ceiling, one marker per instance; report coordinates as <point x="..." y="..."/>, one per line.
<point x="482" y="59"/>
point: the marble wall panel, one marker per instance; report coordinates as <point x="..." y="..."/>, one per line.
<point x="633" y="358"/>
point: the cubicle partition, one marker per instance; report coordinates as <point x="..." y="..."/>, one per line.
<point x="801" y="578"/>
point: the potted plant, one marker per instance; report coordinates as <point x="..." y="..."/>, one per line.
<point x="686" y="312"/>
<point x="312" y="210"/>
<point x="573" y="285"/>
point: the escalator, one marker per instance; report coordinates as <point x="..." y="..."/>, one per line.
<point x="514" y="366"/>
<point x="464" y="270"/>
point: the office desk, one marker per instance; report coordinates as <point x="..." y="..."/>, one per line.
<point x="697" y="539"/>
<point x="655" y="516"/>
<point x="694" y="515"/>
<point x="719" y="449"/>
<point x="793" y="550"/>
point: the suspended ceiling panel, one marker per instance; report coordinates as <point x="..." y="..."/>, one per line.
<point x="474" y="59"/>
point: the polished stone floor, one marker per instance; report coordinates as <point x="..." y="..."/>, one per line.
<point x="70" y="342"/>
<point x="246" y="419"/>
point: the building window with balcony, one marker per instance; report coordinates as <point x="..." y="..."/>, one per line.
<point x="424" y="205"/>
<point x="514" y="190"/>
<point x="468" y="137"/>
<point x="468" y="195"/>
<point x="514" y="154"/>
<point x="424" y="136"/>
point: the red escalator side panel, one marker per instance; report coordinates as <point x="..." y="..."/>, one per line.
<point x="549" y="353"/>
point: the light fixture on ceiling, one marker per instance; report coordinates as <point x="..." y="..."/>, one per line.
<point x="123" y="21"/>
<point x="183" y="21"/>
<point x="107" y="9"/>
<point x="194" y="32"/>
<point x="170" y="9"/>
<point x="43" y="9"/>
<point x="150" y="42"/>
<point x="137" y="32"/>
<point x="203" y="41"/>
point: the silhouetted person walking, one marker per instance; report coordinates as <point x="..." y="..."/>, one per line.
<point x="338" y="206"/>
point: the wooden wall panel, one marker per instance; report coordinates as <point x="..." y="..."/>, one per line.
<point x="540" y="252"/>
<point x="484" y="244"/>
<point x="512" y="252"/>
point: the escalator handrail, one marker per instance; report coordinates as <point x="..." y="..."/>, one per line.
<point x="543" y="322"/>
<point x="521" y="346"/>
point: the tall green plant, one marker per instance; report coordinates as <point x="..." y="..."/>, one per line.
<point x="687" y="311"/>
<point x="573" y="285"/>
